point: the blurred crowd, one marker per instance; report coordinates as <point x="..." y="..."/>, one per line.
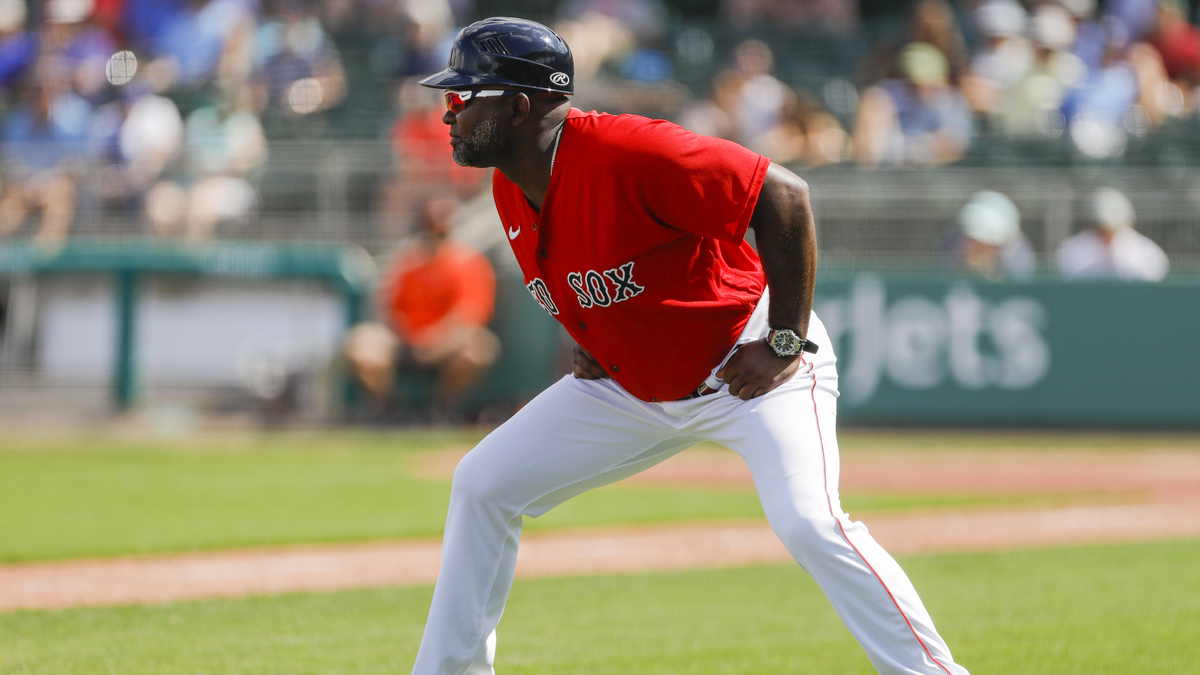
<point x="164" y="111"/>
<point x="160" y="109"/>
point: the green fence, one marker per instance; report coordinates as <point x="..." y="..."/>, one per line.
<point x="348" y="270"/>
<point x="921" y="349"/>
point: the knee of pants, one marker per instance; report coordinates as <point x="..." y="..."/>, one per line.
<point x="478" y="482"/>
<point x="806" y="534"/>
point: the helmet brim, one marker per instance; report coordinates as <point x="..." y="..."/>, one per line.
<point x="452" y="78"/>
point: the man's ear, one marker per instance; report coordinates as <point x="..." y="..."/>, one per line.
<point x="520" y="107"/>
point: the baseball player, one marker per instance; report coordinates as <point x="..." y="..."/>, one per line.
<point x="630" y="232"/>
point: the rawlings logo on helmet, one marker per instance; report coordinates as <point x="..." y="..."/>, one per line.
<point x="560" y="79"/>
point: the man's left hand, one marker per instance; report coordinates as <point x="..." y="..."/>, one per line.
<point x="754" y="369"/>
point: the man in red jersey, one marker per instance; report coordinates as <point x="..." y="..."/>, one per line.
<point x="630" y="232"/>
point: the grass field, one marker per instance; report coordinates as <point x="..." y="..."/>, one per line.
<point x="76" y="496"/>
<point x="1090" y="610"/>
<point x="1111" y="610"/>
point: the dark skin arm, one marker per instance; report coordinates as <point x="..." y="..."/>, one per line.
<point x="787" y="245"/>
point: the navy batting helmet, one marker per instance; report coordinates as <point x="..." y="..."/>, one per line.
<point x="508" y="52"/>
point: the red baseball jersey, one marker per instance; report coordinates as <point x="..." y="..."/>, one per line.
<point x="639" y="249"/>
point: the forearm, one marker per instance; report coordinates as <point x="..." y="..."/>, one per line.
<point x="785" y="234"/>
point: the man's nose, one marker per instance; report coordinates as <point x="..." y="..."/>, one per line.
<point x="447" y="118"/>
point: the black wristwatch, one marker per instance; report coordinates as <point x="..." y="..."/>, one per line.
<point x="785" y="342"/>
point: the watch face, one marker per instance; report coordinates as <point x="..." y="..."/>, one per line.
<point x="785" y="343"/>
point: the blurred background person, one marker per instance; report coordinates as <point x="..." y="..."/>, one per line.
<point x="225" y="150"/>
<point x="18" y="46"/>
<point x="195" y="40"/>
<point x="988" y="241"/>
<point x="1177" y="41"/>
<point x="806" y="134"/>
<point x="297" y="66"/>
<point x="436" y="299"/>
<point x="623" y="61"/>
<point x="931" y="22"/>
<point x="136" y="139"/>
<point x="917" y="119"/>
<point x="422" y="161"/>
<point x="84" y="46"/>
<point x="1110" y="247"/>
<point x="1004" y="58"/>
<point x="1030" y="107"/>
<point x="44" y="139"/>
<point x="824" y="15"/>
<point x="1097" y="108"/>
<point x="760" y="96"/>
<point x="747" y="102"/>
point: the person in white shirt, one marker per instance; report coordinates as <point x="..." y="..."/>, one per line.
<point x="1110" y="247"/>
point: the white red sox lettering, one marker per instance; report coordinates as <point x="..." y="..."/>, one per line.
<point x="592" y="288"/>
<point x="542" y="294"/>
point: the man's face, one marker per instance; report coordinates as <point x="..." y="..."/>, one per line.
<point x="477" y="135"/>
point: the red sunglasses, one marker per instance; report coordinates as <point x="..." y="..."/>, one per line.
<point x="456" y="101"/>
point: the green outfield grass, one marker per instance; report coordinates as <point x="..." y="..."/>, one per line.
<point x="79" y="496"/>
<point x="1111" y="610"/>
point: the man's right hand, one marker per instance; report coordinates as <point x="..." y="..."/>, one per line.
<point x="586" y="367"/>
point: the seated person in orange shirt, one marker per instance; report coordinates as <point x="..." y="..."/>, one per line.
<point x="437" y="296"/>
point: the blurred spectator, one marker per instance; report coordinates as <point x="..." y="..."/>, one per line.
<point x="1089" y="35"/>
<point x="806" y="134"/>
<point x="18" y="47"/>
<point x="427" y="30"/>
<point x="296" y="62"/>
<point x="1110" y="247"/>
<point x="424" y="164"/>
<point x="1136" y="17"/>
<point x="619" y="66"/>
<point x="43" y="137"/>
<point x="1031" y="106"/>
<point x="989" y="241"/>
<point x="1097" y="109"/>
<point x="645" y="19"/>
<point x="930" y="22"/>
<point x="747" y="102"/>
<point x="136" y="138"/>
<point x="1177" y="42"/>
<point x="595" y="39"/>
<point x="84" y="46"/>
<point x="825" y="15"/>
<point x="437" y="297"/>
<point x="225" y="150"/>
<point x="761" y="96"/>
<point x="1006" y="55"/>
<point x="714" y="115"/>
<point x="919" y="119"/>
<point x="198" y="39"/>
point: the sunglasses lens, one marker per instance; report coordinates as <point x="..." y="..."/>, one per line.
<point x="455" y="102"/>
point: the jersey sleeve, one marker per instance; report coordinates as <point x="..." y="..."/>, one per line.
<point x="707" y="186"/>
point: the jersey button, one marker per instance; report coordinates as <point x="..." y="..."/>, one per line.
<point x="614" y="369"/>
<point x="544" y="253"/>
<point x="653" y="400"/>
<point x="535" y="227"/>
<point x="582" y="326"/>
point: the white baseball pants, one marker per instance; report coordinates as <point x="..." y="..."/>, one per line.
<point x="582" y="434"/>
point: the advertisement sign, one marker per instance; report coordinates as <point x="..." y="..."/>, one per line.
<point x="942" y="350"/>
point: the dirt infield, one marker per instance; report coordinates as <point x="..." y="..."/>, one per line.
<point x="1123" y="497"/>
